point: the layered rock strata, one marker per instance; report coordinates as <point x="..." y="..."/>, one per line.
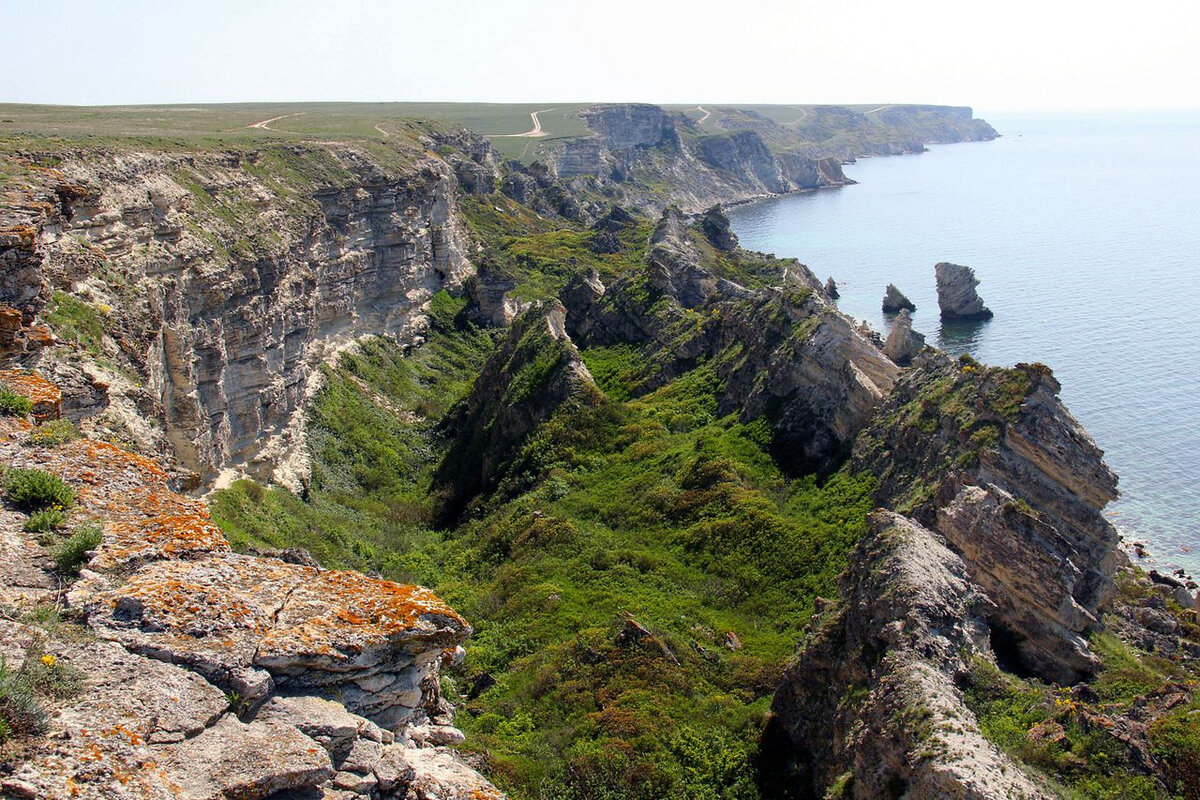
<point x="223" y="278"/>
<point x="992" y="460"/>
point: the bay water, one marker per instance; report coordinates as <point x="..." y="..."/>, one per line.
<point x="1084" y="231"/>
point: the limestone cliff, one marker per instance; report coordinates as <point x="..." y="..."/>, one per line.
<point x="221" y="279"/>
<point x="991" y="460"/>
<point x="871" y="703"/>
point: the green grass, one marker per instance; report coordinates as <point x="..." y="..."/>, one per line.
<point x="76" y="320"/>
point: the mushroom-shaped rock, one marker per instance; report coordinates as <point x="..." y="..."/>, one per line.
<point x="957" y="297"/>
<point x="895" y="301"/>
<point x="903" y="343"/>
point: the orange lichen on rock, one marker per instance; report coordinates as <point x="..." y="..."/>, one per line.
<point x="46" y="397"/>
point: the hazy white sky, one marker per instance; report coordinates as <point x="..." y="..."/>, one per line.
<point x="996" y="55"/>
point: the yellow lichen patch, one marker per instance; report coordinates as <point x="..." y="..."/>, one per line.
<point x="163" y="536"/>
<point x="46" y="397"/>
<point x="342" y="615"/>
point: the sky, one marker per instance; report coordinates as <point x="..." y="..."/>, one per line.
<point x="1003" y="55"/>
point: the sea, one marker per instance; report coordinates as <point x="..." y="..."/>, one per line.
<point x="1084" y="231"/>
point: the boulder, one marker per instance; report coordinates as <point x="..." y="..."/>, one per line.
<point x="903" y="343"/>
<point x="894" y="301"/>
<point x="957" y="297"/>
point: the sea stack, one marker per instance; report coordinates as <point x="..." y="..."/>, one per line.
<point x="831" y="289"/>
<point x="895" y="301"/>
<point x="957" y="297"/>
<point x="903" y="343"/>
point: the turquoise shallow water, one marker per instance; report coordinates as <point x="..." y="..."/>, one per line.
<point x="1085" y="234"/>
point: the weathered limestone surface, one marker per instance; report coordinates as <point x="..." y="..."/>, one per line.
<point x="208" y="674"/>
<point x="996" y="464"/>
<point x="871" y="698"/>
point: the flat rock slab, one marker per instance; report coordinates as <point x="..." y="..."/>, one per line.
<point x="222" y="613"/>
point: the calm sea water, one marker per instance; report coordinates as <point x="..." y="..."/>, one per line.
<point x="1085" y="234"/>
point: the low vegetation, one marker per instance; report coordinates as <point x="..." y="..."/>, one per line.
<point x="53" y="432"/>
<point x="35" y="489"/>
<point x="13" y="404"/>
<point x="71" y="554"/>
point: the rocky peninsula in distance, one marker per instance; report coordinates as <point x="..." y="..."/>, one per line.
<point x="352" y="453"/>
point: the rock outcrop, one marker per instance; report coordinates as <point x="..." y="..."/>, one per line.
<point x="534" y="371"/>
<point x="894" y="301"/>
<point x="990" y="459"/>
<point x="223" y="278"/>
<point x="715" y="226"/>
<point x="783" y="351"/>
<point x="957" y="297"/>
<point x="871" y="703"/>
<point x="831" y="289"/>
<point x="208" y="674"/>
<point x="903" y="343"/>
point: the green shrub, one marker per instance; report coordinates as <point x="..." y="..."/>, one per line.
<point x="54" y="432"/>
<point x="47" y="519"/>
<point x="34" y="489"/>
<point x="71" y="554"/>
<point x="20" y="711"/>
<point x="13" y="404"/>
<point x="1175" y="742"/>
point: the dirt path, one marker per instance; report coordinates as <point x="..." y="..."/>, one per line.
<point x="803" y="114"/>
<point x="881" y="108"/>
<point x="533" y="132"/>
<point x="707" y="114"/>
<point x="381" y="130"/>
<point x="265" y="124"/>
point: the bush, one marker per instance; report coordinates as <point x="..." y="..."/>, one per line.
<point x="54" y="432"/>
<point x="48" y="519"/>
<point x="1175" y="741"/>
<point x="20" y="711"/>
<point x="71" y="554"/>
<point x="13" y="404"/>
<point x="34" y="489"/>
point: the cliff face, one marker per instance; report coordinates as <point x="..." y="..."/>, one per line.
<point x="228" y="276"/>
<point x="990" y="459"/>
<point x="639" y="149"/>
<point x="871" y="703"/>
<point x="206" y="674"/>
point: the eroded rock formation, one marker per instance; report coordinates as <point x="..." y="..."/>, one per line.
<point x="903" y="343"/>
<point x="957" y="297"/>
<point x="871" y="703"/>
<point x="894" y="301"/>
